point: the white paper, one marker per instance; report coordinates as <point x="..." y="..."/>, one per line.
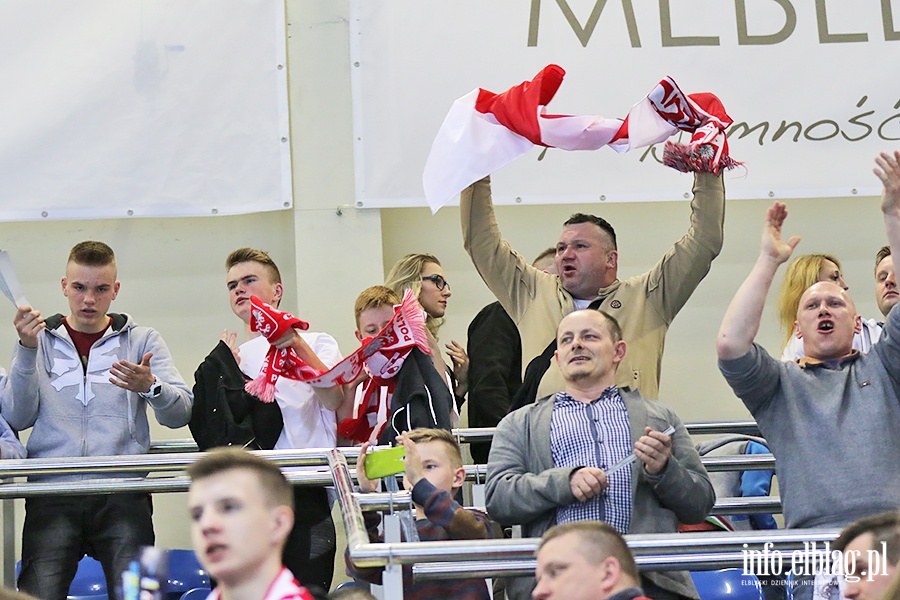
<point x="9" y="282"/>
<point x="633" y="457"/>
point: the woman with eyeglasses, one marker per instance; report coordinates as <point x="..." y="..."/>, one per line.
<point x="422" y="273"/>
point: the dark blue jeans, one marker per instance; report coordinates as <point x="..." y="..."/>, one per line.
<point x="59" y="530"/>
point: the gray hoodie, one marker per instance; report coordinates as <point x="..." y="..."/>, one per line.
<point x="78" y="413"/>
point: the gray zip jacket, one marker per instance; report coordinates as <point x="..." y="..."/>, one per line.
<point x="78" y="413"/>
<point x="525" y="488"/>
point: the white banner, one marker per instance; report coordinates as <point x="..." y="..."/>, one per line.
<point x="811" y="86"/>
<point x="153" y="108"/>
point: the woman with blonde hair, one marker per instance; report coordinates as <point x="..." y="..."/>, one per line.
<point x="801" y="273"/>
<point x="423" y="274"/>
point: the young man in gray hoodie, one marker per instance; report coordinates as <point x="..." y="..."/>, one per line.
<point x="83" y="383"/>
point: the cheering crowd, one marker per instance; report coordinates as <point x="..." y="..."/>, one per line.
<point x="583" y="448"/>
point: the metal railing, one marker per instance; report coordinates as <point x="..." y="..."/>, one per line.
<point x="468" y="435"/>
<point x="433" y="560"/>
<point x="47" y="469"/>
<point x="514" y="557"/>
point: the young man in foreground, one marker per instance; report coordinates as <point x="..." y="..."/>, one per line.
<point x="242" y="510"/>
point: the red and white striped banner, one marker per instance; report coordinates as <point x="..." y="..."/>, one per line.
<point x="485" y="131"/>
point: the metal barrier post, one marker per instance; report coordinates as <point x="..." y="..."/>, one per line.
<point x="8" y="518"/>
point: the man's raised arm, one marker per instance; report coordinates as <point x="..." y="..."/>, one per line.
<point x="888" y="171"/>
<point x="741" y="321"/>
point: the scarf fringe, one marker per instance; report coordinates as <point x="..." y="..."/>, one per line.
<point x="415" y="316"/>
<point x="689" y="158"/>
<point x="261" y="388"/>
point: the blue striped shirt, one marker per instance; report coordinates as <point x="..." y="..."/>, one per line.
<point x="595" y="434"/>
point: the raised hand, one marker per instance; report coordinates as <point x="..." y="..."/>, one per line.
<point x="413" y="460"/>
<point x="365" y="484"/>
<point x="230" y="339"/>
<point x="888" y="171"/>
<point x="772" y="243"/>
<point x="135" y="377"/>
<point x="28" y="324"/>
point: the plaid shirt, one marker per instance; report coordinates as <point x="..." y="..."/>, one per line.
<point x="595" y="434"/>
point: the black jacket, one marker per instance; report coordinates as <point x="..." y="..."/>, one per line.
<point x="495" y="370"/>
<point x="224" y="413"/>
<point x="421" y="398"/>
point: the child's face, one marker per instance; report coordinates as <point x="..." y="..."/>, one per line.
<point x="437" y="467"/>
<point x="373" y="320"/>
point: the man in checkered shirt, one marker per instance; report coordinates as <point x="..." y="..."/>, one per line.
<point x="591" y="426"/>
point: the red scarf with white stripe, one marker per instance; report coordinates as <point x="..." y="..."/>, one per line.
<point x="279" y="362"/>
<point x="381" y="356"/>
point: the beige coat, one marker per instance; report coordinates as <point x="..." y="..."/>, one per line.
<point x="644" y="305"/>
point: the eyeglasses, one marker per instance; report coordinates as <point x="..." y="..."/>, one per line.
<point x="439" y="282"/>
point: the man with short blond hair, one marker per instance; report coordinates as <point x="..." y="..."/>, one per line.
<point x="83" y="383"/>
<point x="886" y="296"/>
<point x="242" y="510"/>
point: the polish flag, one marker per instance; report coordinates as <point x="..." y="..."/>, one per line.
<point x="485" y="131"/>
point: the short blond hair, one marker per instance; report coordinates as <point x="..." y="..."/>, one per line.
<point x="275" y="487"/>
<point x="426" y="434"/>
<point x="599" y="541"/>
<point x="92" y="254"/>
<point x="242" y="255"/>
<point x="376" y="296"/>
<point x="882" y="254"/>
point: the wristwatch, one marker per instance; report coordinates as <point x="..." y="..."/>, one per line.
<point x="154" y="391"/>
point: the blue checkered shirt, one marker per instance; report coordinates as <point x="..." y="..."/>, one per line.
<point x="594" y="435"/>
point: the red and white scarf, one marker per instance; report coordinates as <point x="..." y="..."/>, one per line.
<point x="381" y="356"/>
<point x="485" y="131"/>
<point x="279" y="362"/>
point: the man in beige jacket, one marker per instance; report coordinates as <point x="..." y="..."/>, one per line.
<point x="587" y="262"/>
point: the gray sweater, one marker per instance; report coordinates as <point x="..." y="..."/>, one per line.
<point x="78" y="413"/>
<point x="523" y="486"/>
<point x="835" y="432"/>
<point x="10" y="446"/>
